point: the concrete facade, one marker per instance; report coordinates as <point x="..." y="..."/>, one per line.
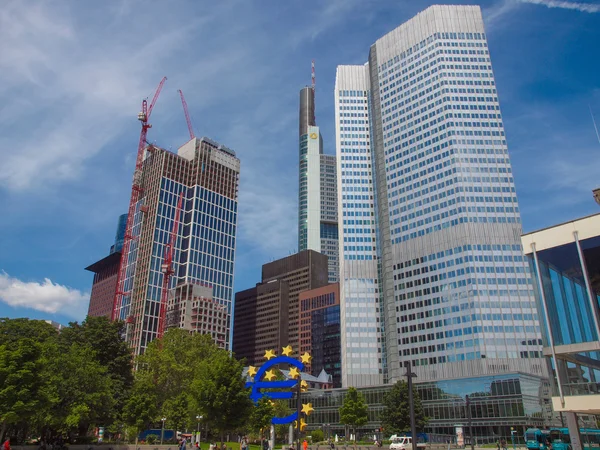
<point x="268" y="316"/>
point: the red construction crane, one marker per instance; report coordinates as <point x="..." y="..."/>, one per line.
<point x="187" y="115"/>
<point x="136" y="189"/>
<point x="167" y="269"/>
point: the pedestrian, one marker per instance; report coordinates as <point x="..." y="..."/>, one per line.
<point x="183" y="444"/>
<point x="6" y="445"/>
<point x="266" y="444"/>
<point x="211" y="446"/>
<point x="304" y="445"/>
<point x="503" y="444"/>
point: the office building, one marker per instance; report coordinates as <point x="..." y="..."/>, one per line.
<point x="267" y="317"/>
<point x="498" y="405"/>
<point x="565" y="262"/>
<point x="317" y="202"/>
<point x="431" y="267"/>
<point x="320" y="331"/>
<point x="205" y="175"/>
<point x="193" y="308"/>
<point x="120" y="234"/>
<point x="105" y="275"/>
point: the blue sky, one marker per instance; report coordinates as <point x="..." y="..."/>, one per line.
<point x="72" y="76"/>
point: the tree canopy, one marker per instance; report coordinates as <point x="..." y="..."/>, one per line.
<point x="354" y="411"/>
<point x="395" y="417"/>
<point x="65" y="382"/>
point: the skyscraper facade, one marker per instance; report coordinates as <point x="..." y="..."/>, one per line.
<point x="317" y="203"/>
<point x="320" y="330"/>
<point x="120" y="234"/>
<point x="268" y="316"/>
<point x="205" y="175"/>
<point x="105" y="275"/>
<point x="430" y="223"/>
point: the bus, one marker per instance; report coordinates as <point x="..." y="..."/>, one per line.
<point x="561" y="440"/>
<point x="536" y="439"/>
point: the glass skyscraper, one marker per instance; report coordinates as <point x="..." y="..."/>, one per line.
<point x="206" y="175"/>
<point x="317" y="189"/>
<point x="431" y="267"/>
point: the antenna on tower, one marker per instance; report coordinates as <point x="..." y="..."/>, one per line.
<point x="312" y="75"/>
<point x="595" y="126"/>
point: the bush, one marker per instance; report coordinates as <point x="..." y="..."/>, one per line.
<point x="151" y="439"/>
<point x="317" y="436"/>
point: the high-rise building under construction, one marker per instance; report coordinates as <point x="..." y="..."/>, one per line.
<point x="203" y="178"/>
<point x="317" y="203"/>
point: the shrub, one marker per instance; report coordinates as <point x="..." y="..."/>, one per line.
<point x="317" y="435"/>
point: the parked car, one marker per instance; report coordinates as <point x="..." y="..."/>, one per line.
<point x="404" y="443"/>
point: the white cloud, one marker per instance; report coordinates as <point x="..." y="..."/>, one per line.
<point x="46" y="296"/>
<point x="494" y="14"/>
<point x="583" y="7"/>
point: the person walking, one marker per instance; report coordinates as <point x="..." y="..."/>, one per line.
<point x="6" y="445"/>
<point x="304" y="445"/>
<point x="503" y="444"/>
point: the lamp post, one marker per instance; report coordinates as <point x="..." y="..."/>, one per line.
<point x="468" y="405"/>
<point x="411" y="403"/>
<point x="162" y="430"/>
<point x="199" y="418"/>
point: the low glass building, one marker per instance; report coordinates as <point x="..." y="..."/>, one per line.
<point x="565" y="263"/>
<point x="497" y="403"/>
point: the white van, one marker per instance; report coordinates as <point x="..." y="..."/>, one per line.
<point x="404" y="443"/>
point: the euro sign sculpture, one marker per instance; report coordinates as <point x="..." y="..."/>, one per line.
<point x="286" y="386"/>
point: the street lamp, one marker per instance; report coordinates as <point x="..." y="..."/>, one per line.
<point x="468" y="405"/>
<point x="411" y="403"/>
<point x="199" y="418"/>
<point x="162" y="430"/>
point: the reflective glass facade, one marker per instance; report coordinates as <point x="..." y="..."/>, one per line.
<point x="497" y="403"/>
<point x="423" y="138"/>
<point x="565" y="261"/>
<point x="205" y="175"/>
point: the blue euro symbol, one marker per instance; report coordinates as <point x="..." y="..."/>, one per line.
<point x="256" y="394"/>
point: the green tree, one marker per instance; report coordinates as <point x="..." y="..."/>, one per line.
<point x="354" y="411"/>
<point x="395" y="417"/>
<point x="164" y="377"/>
<point x="20" y="382"/>
<point x="141" y="407"/>
<point x="220" y="393"/>
<point x="23" y="399"/>
<point x="79" y="388"/>
<point x="111" y="350"/>
<point x="261" y="416"/>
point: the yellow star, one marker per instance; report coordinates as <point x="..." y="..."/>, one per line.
<point x="251" y="371"/>
<point x="302" y="424"/>
<point x="269" y="375"/>
<point x="294" y="373"/>
<point x="272" y="403"/>
<point x="269" y="354"/>
<point x="307" y="408"/>
<point x="306" y="358"/>
<point x="303" y="386"/>
<point x="287" y="351"/>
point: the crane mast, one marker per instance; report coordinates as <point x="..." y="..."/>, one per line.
<point x="187" y="115"/>
<point x="136" y="190"/>
<point x="167" y="268"/>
